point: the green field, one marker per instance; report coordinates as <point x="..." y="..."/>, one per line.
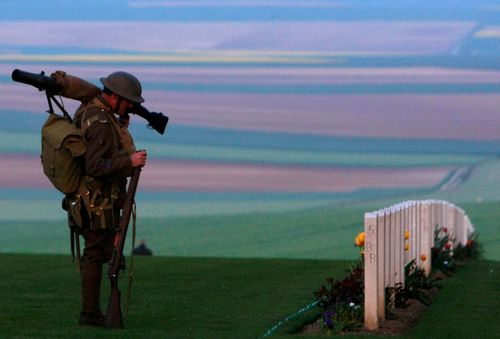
<point x="318" y="233"/>
<point x="314" y="227"/>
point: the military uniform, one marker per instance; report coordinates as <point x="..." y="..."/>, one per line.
<point x="103" y="192"/>
<point x="96" y="206"/>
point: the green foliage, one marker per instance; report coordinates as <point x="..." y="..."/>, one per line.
<point x="442" y="252"/>
<point x="343" y="318"/>
<point x="342" y="302"/>
<point x="415" y="287"/>
<point x="473" y="249"/>
<point x="445" y="259"/>
<point x="416" y="279"/>
<point x="345" y="291"/>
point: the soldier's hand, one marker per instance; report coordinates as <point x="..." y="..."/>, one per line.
<point x="139" y="158"/>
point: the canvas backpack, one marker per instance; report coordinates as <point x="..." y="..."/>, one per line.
<point x="63" y="148"/>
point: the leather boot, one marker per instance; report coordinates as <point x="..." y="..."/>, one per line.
<point x="91" y="290"/>
<point x="92" y="319"/>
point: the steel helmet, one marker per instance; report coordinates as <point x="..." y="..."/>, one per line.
<point x="125" y="85"/>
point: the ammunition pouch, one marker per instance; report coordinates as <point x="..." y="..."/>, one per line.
<point x="74" y="209"/>
<point x="74" y="218"/>
<point x="75" y="227"/>
<point x="97" y="200"/>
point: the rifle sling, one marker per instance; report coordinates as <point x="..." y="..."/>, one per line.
<point x="78" y="253"/>
<point x="131" y="270"/>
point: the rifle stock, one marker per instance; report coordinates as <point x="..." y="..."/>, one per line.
<point x="114" y="313"/>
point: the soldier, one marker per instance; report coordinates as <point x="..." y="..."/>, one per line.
<point x="109" y="160"/>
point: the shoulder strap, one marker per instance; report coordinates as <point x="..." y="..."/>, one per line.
<point x="86" y="124"/>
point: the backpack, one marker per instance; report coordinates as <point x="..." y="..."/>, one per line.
<point x="63" y="145"/>
<point x="62" y="150"/>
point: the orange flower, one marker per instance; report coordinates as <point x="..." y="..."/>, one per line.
<point x="407" y="247"/>
<point x="423" y="257"/>
<point x="407" y="235"/>
<point x="360" y="239"/>
<point x="470" y="243"/>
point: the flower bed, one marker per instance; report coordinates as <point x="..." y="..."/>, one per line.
<point x="341" y="301"/>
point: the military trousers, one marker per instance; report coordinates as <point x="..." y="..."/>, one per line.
<point x="98" y="251"/>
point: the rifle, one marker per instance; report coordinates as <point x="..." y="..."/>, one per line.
<point x="114" y="312"/>
<point x="156" y="120"/>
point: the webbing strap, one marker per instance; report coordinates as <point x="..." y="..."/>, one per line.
<point x="75" y="240"/>
<point x="50" y="99"/>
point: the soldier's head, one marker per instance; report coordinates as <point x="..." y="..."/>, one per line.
<point x="122" y="90"/>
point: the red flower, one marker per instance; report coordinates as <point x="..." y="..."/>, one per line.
<point x="470" y="243"/>
<point x="447" y="245"/>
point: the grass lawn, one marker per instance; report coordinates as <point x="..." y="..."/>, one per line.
<point x="219" y="298"/>
<point x="467" y="306"/>
<point x="172" y="297"/>
<point x="486" y="219"/>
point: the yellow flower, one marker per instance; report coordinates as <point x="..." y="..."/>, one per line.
<point x="407" y="247"/>
<point x="407" y="235"/>
<point x="360" y="239"/>
<point x="423" y="257"/>
<point x="358" y="242"/>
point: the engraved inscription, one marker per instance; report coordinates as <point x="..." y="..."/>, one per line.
<point x="371" y="229"/>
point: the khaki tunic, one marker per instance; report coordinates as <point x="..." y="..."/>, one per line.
<point x="107" y="160"/>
